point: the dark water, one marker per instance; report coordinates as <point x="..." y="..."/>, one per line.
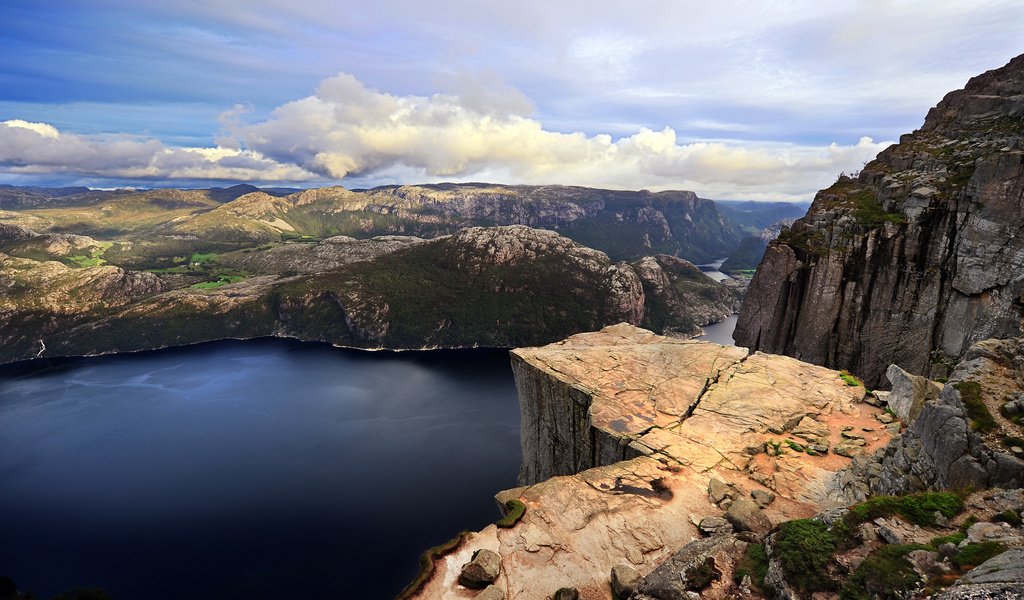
<point x="720" y="333"/>
<point x="248" y="470"/>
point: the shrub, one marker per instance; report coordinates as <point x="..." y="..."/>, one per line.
<point x="701" y="576"/>
<point x="973" y="555"/>
<point x="1008" y="516"/>
<point x="754" y="563"/>
<point x="805" y="548"/>
<point x="884" y="574"/>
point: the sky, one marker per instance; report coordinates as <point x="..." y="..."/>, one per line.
<point x="731" y="99"/>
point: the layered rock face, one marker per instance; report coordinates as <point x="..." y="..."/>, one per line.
<point x="634" y="443"/>
<point x="916" y="258"/>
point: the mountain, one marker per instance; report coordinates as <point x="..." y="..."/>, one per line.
<point x="497" y="286"/>
<point x="914" y="259"/>
<point x="627" y="225"/>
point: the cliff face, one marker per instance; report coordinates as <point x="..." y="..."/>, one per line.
<point x="914" y="260"/>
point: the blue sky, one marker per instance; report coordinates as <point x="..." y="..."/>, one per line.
<point x="737" y="100"/>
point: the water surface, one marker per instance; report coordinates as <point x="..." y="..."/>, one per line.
<point x="264" y="469"/>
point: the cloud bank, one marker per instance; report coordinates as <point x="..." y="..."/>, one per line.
<point x="348" y="132"/>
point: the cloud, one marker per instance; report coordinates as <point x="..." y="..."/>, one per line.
<point x="351" y="133"/>
<point x="39" y="148"/>
<point x="347" y="130"/>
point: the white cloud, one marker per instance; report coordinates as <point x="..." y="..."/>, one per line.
<point x="39" y="148"/>
<point x="348" y="130"/>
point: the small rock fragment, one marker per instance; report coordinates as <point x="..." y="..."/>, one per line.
<point x="481" y="571"/>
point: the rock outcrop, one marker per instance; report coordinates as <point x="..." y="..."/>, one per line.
<point x="624" y="433"/>
<point x="960" y="438"/>
<point x="917" y="257"/>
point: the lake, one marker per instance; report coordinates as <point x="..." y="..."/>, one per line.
<point x="264" y="469"/>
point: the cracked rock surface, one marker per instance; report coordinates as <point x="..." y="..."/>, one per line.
<point x="625" y="430"/>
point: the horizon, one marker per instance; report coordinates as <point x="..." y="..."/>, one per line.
<point x="731" y="101"/>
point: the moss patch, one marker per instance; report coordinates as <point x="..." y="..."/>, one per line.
<point x="754" y="563"/>
<point x="515" y="511"/>
<point x="805" y="548"/>
<point x="427" y="564"/>
<point x="981" y="419"/>
<point x="919" y="509"/>
<point x="885" y="574"/>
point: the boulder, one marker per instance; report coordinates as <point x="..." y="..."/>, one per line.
<point x="481" y="571"/>
<point x="762" y="497"/>
<point x="689" y="569"/>
<point x="566" y="593"/>
<point x="909" y="393"/>
<point x="745" y="515"/>
<point x="714" y="526"/>
<point x="718" y="490"/>
<point x="1000" y="577"/>
<point x="624" y="581"/>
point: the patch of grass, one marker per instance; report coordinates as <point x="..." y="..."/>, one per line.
<point x="1008" y="516"/>
<point x="222" y="280"/>
<point x="919" y="509"/>
<point x="953" y="538"/>
<point x="203" y="257"/>
<point x="515" y="511"/>
<point x="972" y="555"/>
<point x="754" y="563"/>
<point x="427" y="564"/>
<point x="850" y="379"/>
<point x="805" y="548"/>
<point x="1010" y="441"/>
<point x="83" y="262"/>
<point x="868" y="211"/>
<point x="794" y="446"/>
<point x="885" y="574"/>
<point x="981" y="419"/>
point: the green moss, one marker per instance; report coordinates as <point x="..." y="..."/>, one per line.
<point x="919" y="509"/>
<point x="515" y="509"/>
<point x="885" y="574"/>
<point x="970" y="393"/>
<point x="427" y="564"/>
<point x="754" y="563"/>
<point x="794" y="446"/>
<point x="851" y="380"/>
<point x="972" y="555"/>
<point x="953" y="538"/>
<point x="868" y="211"/>
<point x="805" y="548"/>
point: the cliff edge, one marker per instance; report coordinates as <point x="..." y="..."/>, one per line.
<point x="915" y="259"/>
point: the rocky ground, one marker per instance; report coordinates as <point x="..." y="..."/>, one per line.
<point x="658" y="468"/>
<point x="642" y="444"/>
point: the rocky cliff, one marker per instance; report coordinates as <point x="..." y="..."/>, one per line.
<point x="497" y="287"/>
<point x="635" y="444"/>
<point x="914" y="259"/>
<point x="665" y="469"/>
